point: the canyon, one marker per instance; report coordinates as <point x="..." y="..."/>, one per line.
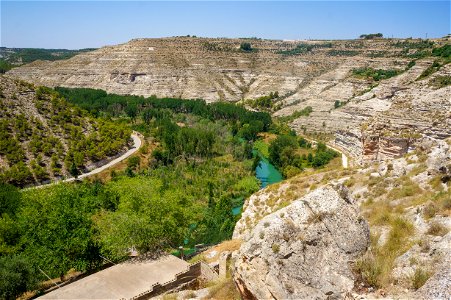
<point x="375" y="119"/>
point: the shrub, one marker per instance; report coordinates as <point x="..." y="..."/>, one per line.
<point x="444" y="51"/>
<point x="430" y="210"/>
<point x="275" y="248"/>
<point x="17" y="275"/>
<point x="430" y="70"/>
<point x="437" y="229"/>
<point x="133" y="162"/>
<point x="419" y="278"/>
<point x="374" y="74"/>
<point x="246" y="47"/>
<point x="370" y="269"/>
<point x="440" y="81"/>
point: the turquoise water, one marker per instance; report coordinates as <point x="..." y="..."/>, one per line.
<point x="267" y="173"/>
<point x="237" y="210"/>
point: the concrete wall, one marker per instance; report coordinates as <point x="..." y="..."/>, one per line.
<point x="194" y="271"/>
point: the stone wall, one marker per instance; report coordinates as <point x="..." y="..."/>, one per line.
<point x="193" y="272"/>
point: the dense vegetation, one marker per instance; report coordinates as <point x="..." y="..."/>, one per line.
<point x="201" y="167"/>
<point x="292" y="155"/>
<point x="52" y="138"/>
<point x="371" y="36"/>
<point x="306" y="111"/>
<point x="18" y="56"/>
<point x="266" y="103"/>
<point x="99" y="103"/>
<point x="374" y="74"/>
<point x="304" y="48"/>
<point x="5" y="66"/>
<point x="443" y="52"/>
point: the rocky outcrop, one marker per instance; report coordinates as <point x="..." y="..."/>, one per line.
<point x="439" y="159"/>
<point x="210" y="69"/>
<point x="439" y="285"/>
<point x="376" y="120"/>
<point x="303" y="250"/>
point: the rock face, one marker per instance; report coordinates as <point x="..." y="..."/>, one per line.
<point x="210" y="69"/>
<point x="376" y="120"/>
<point x="439" y="285"/>
<point x="303" y="250"/>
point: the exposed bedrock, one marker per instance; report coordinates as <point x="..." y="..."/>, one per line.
<point x="303" y="251"/>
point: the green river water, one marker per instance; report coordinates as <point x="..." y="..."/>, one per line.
<point x="266" y="173"/>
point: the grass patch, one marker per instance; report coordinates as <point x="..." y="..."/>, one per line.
<point x="437" y="229"/>
<point x="430" y="70"/>
<point x="406" y="188"/>
<point x="430" y="210"/>
<point x="304" y="112"/>
<point x="419" y="278"/>
<point x="440" y="81"/>
<point x="376" y="266"/>
<point x="223" y="290"/>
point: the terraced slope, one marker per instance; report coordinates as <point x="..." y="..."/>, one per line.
<point x="44" y="138"/>
<point x="376" y="96"/>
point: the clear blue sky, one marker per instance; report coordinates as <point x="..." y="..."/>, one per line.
<point x="81" y="24"/>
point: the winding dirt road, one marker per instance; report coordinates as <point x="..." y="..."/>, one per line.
<point x="136" y="145"/>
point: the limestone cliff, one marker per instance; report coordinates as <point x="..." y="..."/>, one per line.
<point x="303" y="250"/>
<point x="374" y="119"/>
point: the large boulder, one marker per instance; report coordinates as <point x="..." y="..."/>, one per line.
<point x="303" y="251"/>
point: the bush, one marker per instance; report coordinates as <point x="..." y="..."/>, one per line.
<point x="430" y="210"/>
<point x="246" y="47"/>
<point x="437" y="229"/>
<point x="133" y="162"/>
<point x="374" y="74"/>
<point x="17" y="275"/>
<point x="278" y="149"/>
<point x="369" y="269"/>
<point x="430" y="70"/>
<point x="444" y="51"/>
<point x="440" y="81"/>
<point x="419" y="278"/>
<point x="371" y="36"/>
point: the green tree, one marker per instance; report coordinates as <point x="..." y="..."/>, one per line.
<point x="133" y="162"/>
<point x="131" y="111"/>
<point x="246" y="46"/>
<point x="149" y="217"/>
<point x="281" y="148"/>
<point x="10" y="199"/>
<point x="57" y="228"/>
<point x="73" y="170"/>
<point x="17" y="275"/>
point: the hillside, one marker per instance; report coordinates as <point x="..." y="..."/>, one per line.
<point x="384" y="102"/>
<point x="376" y="96"/>
<point x="13" y="57"/>
<point x="44" y="138"/>
<point x="406" y="203"/>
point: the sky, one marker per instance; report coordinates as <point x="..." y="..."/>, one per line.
<point x="92" y="24"/>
